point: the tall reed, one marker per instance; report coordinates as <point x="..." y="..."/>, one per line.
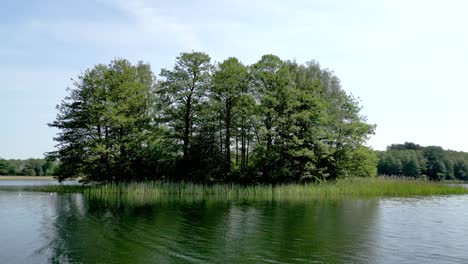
<point x="354" y="187"/>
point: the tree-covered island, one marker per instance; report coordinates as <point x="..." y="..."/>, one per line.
<point x="274" y="121"/>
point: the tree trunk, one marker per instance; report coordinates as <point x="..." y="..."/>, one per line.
<point x="227" y="142"/>
<point x="266" y="164"/>
<point x="221" y="141"/>
<point x="237" y="150"/>
<point x="247" y="152"/>
<point x="242" y="143"/>
<point x="187" y="129"/>
<point x="106" y="160"/>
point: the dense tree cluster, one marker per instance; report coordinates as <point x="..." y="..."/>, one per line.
<point x="274" y="121"/>
<point x="29" y="167"/>
<point x="430" y="162"/>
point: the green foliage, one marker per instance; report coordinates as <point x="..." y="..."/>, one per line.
<point x="360" y="162"/>
<point x="272" y="122"/>
<point x="29" y="167"/>
<point x="104" y="123"/>
<point x="4" y="167"/>
<point x="228" y="94"/>
<point x="183" y="91"/>
<point x="413" y="160"/>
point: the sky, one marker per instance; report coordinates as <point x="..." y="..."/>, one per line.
<point x="405" y="60"/>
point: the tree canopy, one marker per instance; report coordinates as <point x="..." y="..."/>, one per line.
<point x="273" y="121"/>
<point x="28" y="167"/>
<point x="432" y="162"/>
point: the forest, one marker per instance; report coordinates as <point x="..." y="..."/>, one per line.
<point x="431" y="162"/>
<point x="28" y="167"/>
<point x="275" y="121"/>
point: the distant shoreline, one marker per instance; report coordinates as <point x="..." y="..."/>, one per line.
<point x="27" y="178"/>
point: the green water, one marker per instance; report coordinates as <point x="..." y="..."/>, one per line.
<point x="70" y="228"/>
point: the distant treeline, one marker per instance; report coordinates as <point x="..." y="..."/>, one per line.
<point x="273" y="121"/>
<point x="432" y="162"/>
<point x="28" y="167"/>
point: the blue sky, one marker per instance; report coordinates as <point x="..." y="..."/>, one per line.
<point x="405" y="60"/>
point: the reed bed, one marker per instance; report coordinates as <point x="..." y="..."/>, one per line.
<point x="357" y="187"/>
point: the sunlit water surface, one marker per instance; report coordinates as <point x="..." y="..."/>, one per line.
<point x="70" y="228"/>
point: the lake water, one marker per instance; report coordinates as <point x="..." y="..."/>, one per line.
<point x="70" y="228"/>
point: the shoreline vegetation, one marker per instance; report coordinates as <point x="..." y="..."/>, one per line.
<point x="141" y="192"/>
<point x="17" y="177"/>
<point x="28" y="167"/>
<point x="431" y="162"/>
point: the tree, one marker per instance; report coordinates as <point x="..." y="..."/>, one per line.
<point x="270" y="79"/>
<point x="183" y="89"/>
<point x="245" y="126"/>
<point x="461" y="169"/>
<point x="48" y="167"/>
<point x="405" y="146"/>
<point x="103" y="122"/>
<point x="4" y="167"/>
<point x="331" y="128"/>
<point x="435" y="166"/>
<point x="229" y="84"/>
<point x="449" y="169"/>
<point x="362" y="162"/>
<point x="410" y="167"/>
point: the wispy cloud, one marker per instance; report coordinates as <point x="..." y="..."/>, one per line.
<point x="140" y="25"/>
<point x="149" y="20"/>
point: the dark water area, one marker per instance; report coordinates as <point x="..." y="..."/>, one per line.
<point x="70" y="228"/>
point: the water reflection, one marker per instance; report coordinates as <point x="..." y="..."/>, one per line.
<point x="50" y="228"/>
<point x="201" y="231"/>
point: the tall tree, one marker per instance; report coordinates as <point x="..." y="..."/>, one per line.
<point x="269" y="77"/>
<point x="184" y="88"/>
<point x="103" y="122"/>
<point x="229" y="84"/>
<point x="245" y="123"/>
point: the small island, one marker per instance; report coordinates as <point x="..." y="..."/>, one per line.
<point x="273" y="128"/>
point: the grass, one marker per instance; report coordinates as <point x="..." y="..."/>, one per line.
<point x="357" y="187"/>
